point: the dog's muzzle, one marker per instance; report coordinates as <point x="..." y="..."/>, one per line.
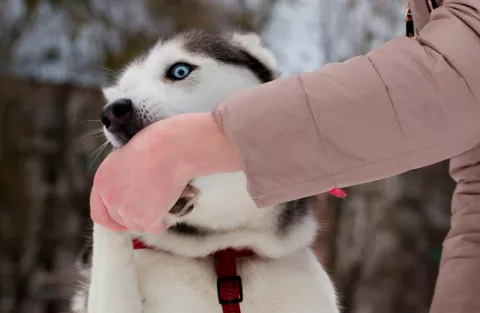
<point x="118" y="119"/>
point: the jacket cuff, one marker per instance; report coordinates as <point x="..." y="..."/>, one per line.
<point x="288" y="153"/>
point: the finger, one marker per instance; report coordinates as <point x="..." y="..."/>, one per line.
<point x="115" y="216"/>
<point x="121" y="218"/>
<point x="131" y="225"/>
<point x="99" y="213"/>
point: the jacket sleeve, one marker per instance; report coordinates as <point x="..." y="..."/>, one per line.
<point x="407" y="104"/>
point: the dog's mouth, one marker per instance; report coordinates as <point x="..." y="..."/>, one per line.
<point x="121" y="138"/>
<point x="119" y="133"/>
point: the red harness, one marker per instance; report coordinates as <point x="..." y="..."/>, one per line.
<point x="229" y="284"/>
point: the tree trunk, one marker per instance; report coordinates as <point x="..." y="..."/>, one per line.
<point x="44" y="182"/>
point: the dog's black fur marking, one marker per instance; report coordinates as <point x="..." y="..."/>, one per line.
<point x="188" y="230"/>
<point x="294" y="212"/>
<point x="86" y="254"/>
<point x="221" y="49"/>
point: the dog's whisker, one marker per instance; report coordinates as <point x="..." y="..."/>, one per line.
<point x="97" y="136"/>
<point x="94" y="131"/>
<point x="108" y="71"/>
<point x="91" y="133"/>
<point x="87" y="121"/>
<point x="98" y="151"/>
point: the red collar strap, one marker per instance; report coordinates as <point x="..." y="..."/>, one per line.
<point x="138" y="245"/>
<point x="229" y="284"/>
<point x="339" y="193"/>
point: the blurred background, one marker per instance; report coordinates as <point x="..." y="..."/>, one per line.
<point x="381" y="245"/>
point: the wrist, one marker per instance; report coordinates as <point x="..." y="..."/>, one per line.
<point x="196" y="142"/>
<point x="215" y="153"/>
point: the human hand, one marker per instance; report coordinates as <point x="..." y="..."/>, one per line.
<point x="137" y="184"/>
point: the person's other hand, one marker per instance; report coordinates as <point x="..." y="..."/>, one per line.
<point x="137" y="184"/>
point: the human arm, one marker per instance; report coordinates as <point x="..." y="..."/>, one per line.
<point x="407" y="104"/>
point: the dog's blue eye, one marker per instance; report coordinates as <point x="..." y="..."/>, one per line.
<point x="179" y="71"/>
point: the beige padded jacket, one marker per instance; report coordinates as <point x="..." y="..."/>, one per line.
<point x="409" y="103"/>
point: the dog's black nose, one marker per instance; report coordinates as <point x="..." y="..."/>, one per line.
<point x="117" y="116"/>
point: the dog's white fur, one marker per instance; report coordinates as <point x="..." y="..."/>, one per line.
<point x="178" y="275"/>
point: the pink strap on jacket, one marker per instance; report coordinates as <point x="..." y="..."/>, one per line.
<point x="339" y="193"/>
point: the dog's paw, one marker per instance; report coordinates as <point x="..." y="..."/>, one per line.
<point x="186" y="202"/>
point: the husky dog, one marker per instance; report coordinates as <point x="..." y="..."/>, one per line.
<point x="192" y="72"/>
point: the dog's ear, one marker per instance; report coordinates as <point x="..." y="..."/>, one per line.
<point x="251" y="43"/>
